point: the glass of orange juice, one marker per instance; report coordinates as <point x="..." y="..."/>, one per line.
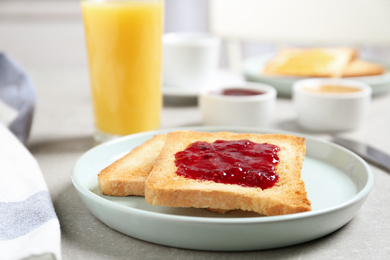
<point x="124" y="52"/>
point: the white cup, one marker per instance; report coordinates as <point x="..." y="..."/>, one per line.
<point x="329" y="110"/>
<point x="190" y="60"/>
<point x="235" y="110"/>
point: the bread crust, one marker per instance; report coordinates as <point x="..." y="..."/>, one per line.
<point x="359" y="68"/>
<point x="127" y="176"/>
<point x="164" y="187"/>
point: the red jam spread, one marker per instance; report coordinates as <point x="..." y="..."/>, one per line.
<point x="239" y="92"/>
<point x="240" y="162"/>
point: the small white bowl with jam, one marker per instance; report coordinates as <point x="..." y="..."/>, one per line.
<point x="246" y="104"/>
<point x="331" y="104"/>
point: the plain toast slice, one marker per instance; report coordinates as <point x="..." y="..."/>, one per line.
<point x="127" y="175"/>
<point x="164" y="187"/>
<point x="360" y="68"/>
<point x="310" y="62"/>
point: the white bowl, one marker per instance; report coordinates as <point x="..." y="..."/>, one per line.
<point x="331" y="111"/>
<point x="231" y="110"/>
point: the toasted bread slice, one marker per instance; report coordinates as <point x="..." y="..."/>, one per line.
<point x="127" y="175"/>
<point x="360" y="68"/>
<point x="310" y="62"/>
<point x="164" y="187"/>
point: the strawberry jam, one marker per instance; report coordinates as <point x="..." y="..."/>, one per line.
<point x="239" y="92"/>
<point x="240" y="162"/>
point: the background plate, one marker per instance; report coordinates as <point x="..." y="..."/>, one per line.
<point x="283" y="84"/>
<point x="337" y="182"/>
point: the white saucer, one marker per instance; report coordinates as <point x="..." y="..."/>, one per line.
<point x="222" y="77"/>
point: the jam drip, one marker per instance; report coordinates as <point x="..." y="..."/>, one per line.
<point x="240" y="162"/>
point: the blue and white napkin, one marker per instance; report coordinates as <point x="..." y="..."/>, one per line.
<point x="17" y="97"/>
<point x="29" y="227"/>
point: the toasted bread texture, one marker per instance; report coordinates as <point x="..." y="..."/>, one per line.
<point x="127" y="176"/>
<point x="164" y="187"/>
<point x="310" y="62"/>
<point x="360" y="68"/>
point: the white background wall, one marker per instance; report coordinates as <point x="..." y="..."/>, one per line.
<point x="50" y="32"/>
<point x="41" y="33"/>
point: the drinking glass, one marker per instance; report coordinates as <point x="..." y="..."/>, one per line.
<point x="124" y="48"/>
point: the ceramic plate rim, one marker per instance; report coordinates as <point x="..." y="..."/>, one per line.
<point x="179" y="92"/>
<point x="269" y="219"/>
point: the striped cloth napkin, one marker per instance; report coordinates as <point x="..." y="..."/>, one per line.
<point x="17" y="97"/>
<point x="29" y="227"/>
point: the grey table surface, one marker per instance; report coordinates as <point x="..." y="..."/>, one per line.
<point x="63" y="129"/>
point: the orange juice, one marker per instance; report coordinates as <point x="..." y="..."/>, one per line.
<point x="124" y="51"/>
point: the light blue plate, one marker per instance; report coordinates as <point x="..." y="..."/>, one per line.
<point x="337" y="182"/>
<point x="253" y="67"/>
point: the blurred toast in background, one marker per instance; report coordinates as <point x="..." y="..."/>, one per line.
<point x="320" y="62"/>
